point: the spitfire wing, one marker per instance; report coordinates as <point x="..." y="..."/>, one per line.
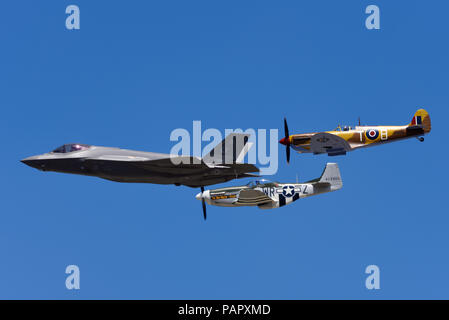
<point x="253" y="197"/>
<point x="328" y="143"/>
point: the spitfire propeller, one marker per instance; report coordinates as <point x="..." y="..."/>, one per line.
<point x="286" y="140"/>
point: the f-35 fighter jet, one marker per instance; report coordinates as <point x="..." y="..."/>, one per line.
<point x="222" y="164"/>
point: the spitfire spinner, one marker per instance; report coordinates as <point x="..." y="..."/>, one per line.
<point x="268" y="195"/>
<point x="342" y="140"/>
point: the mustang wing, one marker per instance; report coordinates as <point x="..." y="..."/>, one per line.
<point x="254" y="197"/>
<point x="328" y="143"/>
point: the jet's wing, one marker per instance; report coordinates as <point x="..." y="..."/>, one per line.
<point x="156" y="158"/>
<point x="191" y="163"/>
<point x="242" y="167"/>
<point x="177" y="165"/>
<point x="328" y="143"/>
<point x="253" y="197"/>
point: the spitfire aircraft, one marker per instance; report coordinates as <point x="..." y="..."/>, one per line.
<point x="268" y="195"/>
<point x="222" y="164"/>
<point x="342" y="140"/>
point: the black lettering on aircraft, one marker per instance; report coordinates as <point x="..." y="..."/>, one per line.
<point x="304" y="191"/>
<point x="269" y="191"/>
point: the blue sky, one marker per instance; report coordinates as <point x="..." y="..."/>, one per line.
<point x="136" y="70"/>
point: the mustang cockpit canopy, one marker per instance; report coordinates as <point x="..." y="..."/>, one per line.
<point x="256" y="183"/>
<point x="71" y="147"/>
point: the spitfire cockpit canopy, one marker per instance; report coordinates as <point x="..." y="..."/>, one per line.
<point x="256" y="183"/>
<point x="345" y="128"/>
<point x="71" y="147"/>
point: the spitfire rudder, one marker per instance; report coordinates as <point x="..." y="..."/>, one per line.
<point x="421" y="118"/>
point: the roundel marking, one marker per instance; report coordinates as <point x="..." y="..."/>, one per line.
<point x="288" y="191"/>
<point x="372" y="134"/>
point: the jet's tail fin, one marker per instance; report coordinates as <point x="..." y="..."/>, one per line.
<point x="421" y="119"/>
<point x="231" y="149"/>
<point x="331" y="175"/>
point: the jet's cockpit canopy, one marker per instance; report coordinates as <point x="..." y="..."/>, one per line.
<point x="71" y="147"/>
<point x="256" y="183"/>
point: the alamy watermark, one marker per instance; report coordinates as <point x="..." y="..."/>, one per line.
<point x="73" y="279"/>
<point x="373" y="20"/>
<point x="254" y="144"/>
<point x="373" y="280"/>
<point x="72" y="22"/>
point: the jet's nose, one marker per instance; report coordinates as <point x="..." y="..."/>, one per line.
<point x="33" y="162"/>
<point x="199" y="196"/>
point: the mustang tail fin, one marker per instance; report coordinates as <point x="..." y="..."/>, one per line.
<point x="421" y="119"/>
<point x="331" y="175"/>
<point x="231" y="149"/>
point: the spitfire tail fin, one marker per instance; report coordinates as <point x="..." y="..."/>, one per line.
<point x="421" y="119"/>
<point x="331" y="174"/>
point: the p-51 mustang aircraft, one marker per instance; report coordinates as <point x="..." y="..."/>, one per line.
<point x="342" y="140"/>
<point x="222" y="164"/>
<point x="268" y="195"/>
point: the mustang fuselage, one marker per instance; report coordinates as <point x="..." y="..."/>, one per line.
<point x="267" y="195"/>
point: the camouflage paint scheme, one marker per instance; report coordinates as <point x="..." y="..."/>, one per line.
<point x="268" y="195"/>
<point x="339" y="141"/>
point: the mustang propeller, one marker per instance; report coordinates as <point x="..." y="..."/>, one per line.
<point x="203" y="203"/>
<point x="286" y="140"/>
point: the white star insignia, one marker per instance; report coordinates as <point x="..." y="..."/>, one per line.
<point x="288" y="190"/>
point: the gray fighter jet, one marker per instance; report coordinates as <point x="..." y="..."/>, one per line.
<point x="222" y="164"/>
